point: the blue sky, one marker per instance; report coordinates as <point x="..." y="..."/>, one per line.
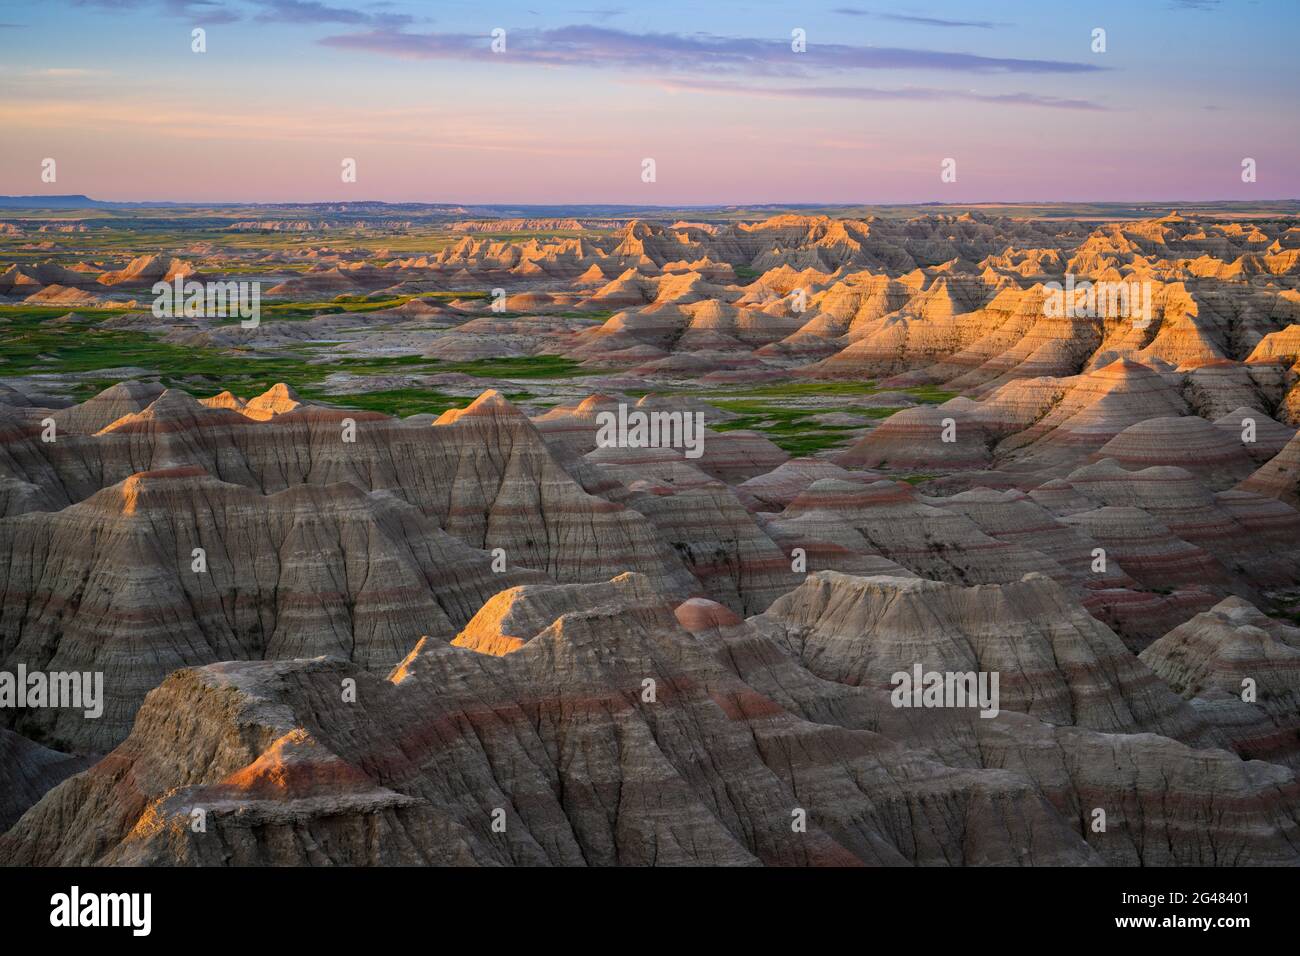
<point x="584" y="92"/>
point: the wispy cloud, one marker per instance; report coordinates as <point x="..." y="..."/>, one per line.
<point x="309" y="11"/>
<point x="919" y="20"/>
<point x="59" y="72"/>
<point x="868" y="93"/>
<point x="207" y="12"/>
<point x="405" y="127"/>
<point x="606" y="47"/>
<point x="203" y="12"/>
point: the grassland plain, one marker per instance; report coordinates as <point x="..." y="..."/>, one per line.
<point x="618" y="318"/>
<point x="32" y="345"/>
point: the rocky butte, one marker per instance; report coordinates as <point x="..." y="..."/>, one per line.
<point x="791" y="540"/>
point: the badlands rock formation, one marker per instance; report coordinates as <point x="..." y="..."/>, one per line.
<point x="1233" y="652"/>
<point x="585" y="733"/>
<point x="478" y="632"/>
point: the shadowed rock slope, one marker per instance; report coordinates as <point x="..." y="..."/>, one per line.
<point x="627" y="731"/>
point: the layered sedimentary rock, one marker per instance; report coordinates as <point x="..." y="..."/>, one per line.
<point x="1219" y="458"/>
<point x="1054" y="660"/>
<point x="174" y="568"/>
<point x="923" y="438"/>
<point x="1241" y="671"/>
<point x="1280" y="477"/>
<point x="734" y="559"/>
<point x="228" y="538"/>
<point x="30" y="771"/>
<point x="482" y="473"/>
<point x="588" y="741"/>
<point x="780" y="486"/>
<point x="621" y="653"/>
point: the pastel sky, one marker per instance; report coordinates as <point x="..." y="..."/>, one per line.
<point x="710" y="89"/>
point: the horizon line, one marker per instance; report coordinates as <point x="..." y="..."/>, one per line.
<point x="637" y="205"/>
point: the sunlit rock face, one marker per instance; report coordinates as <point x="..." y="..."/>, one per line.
<point x="627" y="542"/>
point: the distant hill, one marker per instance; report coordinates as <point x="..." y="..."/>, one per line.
<point x="364" y="209"/>
<point x="76" y="202"/>
<point x="51" y="202"/>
